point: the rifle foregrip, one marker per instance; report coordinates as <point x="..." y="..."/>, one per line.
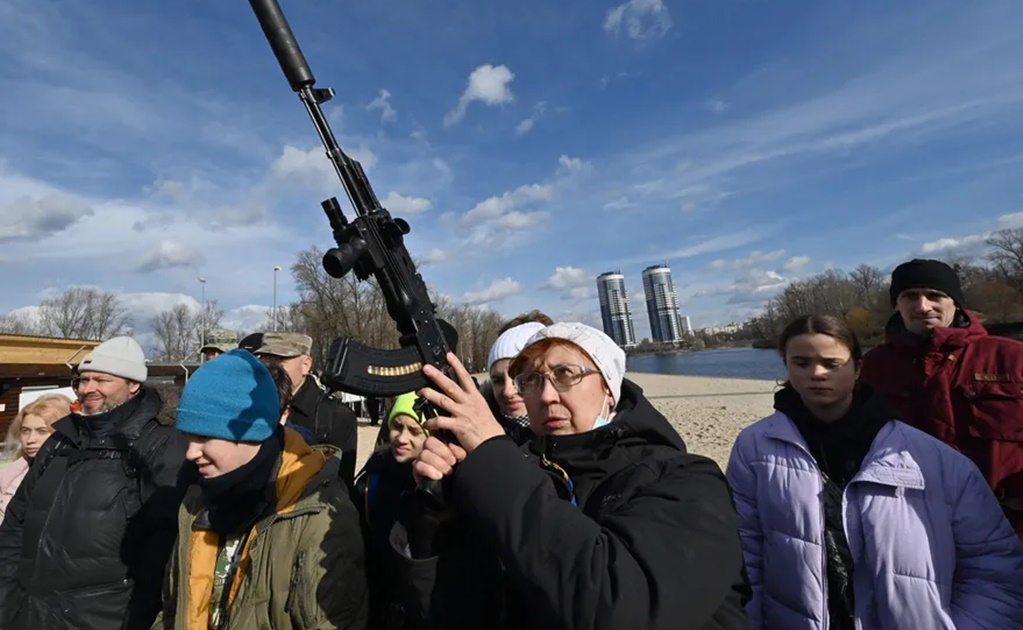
<point x="282" y="41"/>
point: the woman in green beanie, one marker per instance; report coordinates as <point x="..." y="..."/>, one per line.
<point x="385" y="488"/>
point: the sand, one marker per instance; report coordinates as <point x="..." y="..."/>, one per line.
<point x="707" y="412"/>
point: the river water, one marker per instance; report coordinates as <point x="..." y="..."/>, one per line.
<point x="728" y="363"/>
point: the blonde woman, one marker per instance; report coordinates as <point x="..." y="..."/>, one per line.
<point x="31" y="427"/>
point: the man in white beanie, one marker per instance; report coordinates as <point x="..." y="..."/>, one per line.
<point x="86" y="539"/>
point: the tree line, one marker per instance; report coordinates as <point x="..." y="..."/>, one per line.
<point x="327" y="308"/>
<point x="992" y="285"/>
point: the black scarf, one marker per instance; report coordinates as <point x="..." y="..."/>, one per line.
<point x="236" y="499"/>
<point x="839" y="446"/>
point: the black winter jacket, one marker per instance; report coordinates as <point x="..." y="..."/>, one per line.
<point x="650" y="543"/>
<point x="330" y="421"/>
<point x="87" y="536"/>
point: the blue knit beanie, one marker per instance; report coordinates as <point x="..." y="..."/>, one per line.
<point x="232" y="397"/>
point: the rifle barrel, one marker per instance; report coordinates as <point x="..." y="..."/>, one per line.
<point x="282" y="41"/>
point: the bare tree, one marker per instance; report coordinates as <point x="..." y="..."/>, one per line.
<point x="1007" y="255"/>
<point x="174" y="328"/>
<point x="329" y="308"/>
<point x="84" y="313"/>
<point x="17" y="324"/>
<point x="970" y="273"/>
<point x="870" y="283"/>
<point x="180" y="330"/>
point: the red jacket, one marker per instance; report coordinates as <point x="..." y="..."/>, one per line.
<point x="965" y="388"/>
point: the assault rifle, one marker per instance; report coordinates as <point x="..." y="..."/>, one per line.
<point x="371" y="245"/>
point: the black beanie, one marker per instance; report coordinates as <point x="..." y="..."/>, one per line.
<point x="926" y="274"/>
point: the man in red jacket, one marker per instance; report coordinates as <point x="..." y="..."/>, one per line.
<point x="948" y="377"/>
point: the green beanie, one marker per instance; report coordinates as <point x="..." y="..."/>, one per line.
<point x="404" y="405"/>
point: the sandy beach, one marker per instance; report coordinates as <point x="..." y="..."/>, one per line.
<point x="707" y="412"/>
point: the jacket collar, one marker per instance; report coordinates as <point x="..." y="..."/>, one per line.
<point x="965" y="329"/>
<point x="889" y="461"/>
<point x="307" y="397"/>
<point x="126" y="421"/>
<point x="298" y="474"/>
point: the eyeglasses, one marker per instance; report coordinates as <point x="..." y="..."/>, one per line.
<point x="562" y="377"/>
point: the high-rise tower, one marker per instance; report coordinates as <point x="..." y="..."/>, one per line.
<point x="614" y="308"/>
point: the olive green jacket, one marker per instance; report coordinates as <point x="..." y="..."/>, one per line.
<point x="303" y="565"/>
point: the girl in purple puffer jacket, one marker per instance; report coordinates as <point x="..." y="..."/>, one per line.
<point x="852" y="519"/>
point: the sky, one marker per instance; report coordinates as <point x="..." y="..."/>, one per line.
<point x="531" y="145"/>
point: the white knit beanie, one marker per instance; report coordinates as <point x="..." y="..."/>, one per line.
<point x="512" y="341"/>
<point x="606" y="355"/>
<point x="119" y="356"/>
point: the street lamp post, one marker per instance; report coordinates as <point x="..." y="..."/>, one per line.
<point x="202" y="317"/>
<point x="276" y="269"/>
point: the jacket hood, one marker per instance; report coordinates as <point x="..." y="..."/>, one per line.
<point x="965" y="328"/>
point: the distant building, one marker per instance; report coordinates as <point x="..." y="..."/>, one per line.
<point x="729" y="329"/>
<point x="614" y="308"/>
<point x="662" y="304"/>
<point x="687" y="326"/>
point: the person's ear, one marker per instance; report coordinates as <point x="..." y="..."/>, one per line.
<point x="307" y="364"/>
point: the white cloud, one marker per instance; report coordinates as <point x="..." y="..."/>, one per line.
<point x="972" y="243"/>
<point x="169" y="253"/>
<point x="247" y="318"/>
<point x="497" y="291"/>
<point x="571" y="165"/>
<point x="400" y="205"/>
<point x="31" y="219"/>
<point x="174" y="190"/>
<point x="722" y="242"/>
<point x="516" y="220"/>
<point x="492" y="207"/>
<point x="639" y="19"/>
<point x="751" y="286"/>
<point x="580" y="293"/>
<point x="795" y="264"/>
<point x="568" y="278"/>
<point x="619" y="203"/>
<point x="383" y="103"/>
<point x="526" y="125"/>
<point x="1010" y="221"/>
<point x="435" y="256"/>
<point x="949" y="245"/>
<point x="755" y="258"/>
<point x="312" y="168"/>
<point x="489" y="85"/>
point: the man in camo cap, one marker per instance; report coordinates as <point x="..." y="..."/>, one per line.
<point x="312" y="407"/>
<point x="218" y="341"/>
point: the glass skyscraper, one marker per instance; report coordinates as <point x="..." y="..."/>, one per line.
<point x="614" y="308"/>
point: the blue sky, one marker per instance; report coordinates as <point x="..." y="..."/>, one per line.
<point x="531" y="145"/>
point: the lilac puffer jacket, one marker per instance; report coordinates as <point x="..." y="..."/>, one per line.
<point x="931" y="547"/>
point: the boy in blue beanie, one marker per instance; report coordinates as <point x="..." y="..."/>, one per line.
<point x="269" y="523"/>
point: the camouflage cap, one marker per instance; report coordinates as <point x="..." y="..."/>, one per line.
<point x="220" y="339"/>
<point x="286" y="344"/>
